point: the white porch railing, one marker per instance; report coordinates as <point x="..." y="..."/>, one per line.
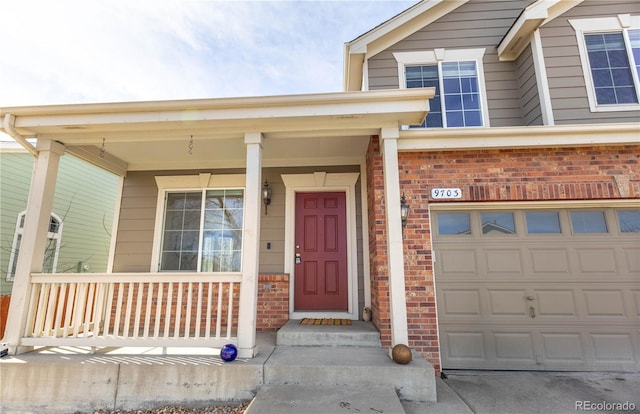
<point x="133" y="309"/>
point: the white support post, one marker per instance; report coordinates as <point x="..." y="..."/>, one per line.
<point x="397" y="300"/>
<point x="34" y="238"/>
<point x="251" y="246"/>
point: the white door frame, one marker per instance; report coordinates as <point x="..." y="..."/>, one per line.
<point x="322" y="182"/>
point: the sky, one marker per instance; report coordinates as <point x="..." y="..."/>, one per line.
<point x="63" y="51"/>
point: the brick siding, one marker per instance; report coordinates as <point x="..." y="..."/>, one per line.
<point x="273" y="302"/>
<point x="548" y="174"/>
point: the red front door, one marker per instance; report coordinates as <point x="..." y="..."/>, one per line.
<point x="321" y="252"/>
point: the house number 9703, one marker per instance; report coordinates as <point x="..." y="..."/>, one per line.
<point x="446" y="193"/>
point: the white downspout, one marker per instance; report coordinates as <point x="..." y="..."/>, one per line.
<point x="8" y="125"/>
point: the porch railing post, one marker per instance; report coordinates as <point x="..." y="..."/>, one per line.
<point x="34" y="238"/>
<point x="251" y="247"/>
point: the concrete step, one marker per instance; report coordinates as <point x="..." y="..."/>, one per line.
<point x="350" y="367"/>
<point x="359" y="334"/>
<point x="307" y="399"/>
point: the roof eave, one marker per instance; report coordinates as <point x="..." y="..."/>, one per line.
<point x="532" y="17"/>
<point x="390" y="32"/>
<point x="229" y="116"/>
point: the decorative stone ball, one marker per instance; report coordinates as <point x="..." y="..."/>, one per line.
<point x="401" y="354"/>
<point x="229" y="352"/>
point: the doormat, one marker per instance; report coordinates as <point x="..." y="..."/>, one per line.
<point x="324" y="321"/>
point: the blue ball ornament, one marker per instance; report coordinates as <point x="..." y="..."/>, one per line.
<point x="229" y="352"/>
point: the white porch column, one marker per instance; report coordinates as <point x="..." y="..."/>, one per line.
<point x="397" y="300"/>
<point x="34" y="238"/>
<point x="251" y="246"/>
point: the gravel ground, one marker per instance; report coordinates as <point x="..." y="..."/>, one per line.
<point x="173" y="409"/>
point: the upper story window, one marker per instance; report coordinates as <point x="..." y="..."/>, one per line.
<point x="458" y="78"/>
<point x="610" y="53"/>
<point x="52" y="250"/>
<point x="200" y="224"/>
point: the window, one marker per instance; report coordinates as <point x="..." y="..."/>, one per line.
<point x="629" y="221"/>
<point x="498" y="223"/>
<point x="454" y="223"/>
<point x="202" y="231"/>
<point x="457" y="76"/>
<point x="588" y="222"/>
<point x="52" y="250"/>
<point x="540" y="222"/>
<point x="610" y="69"/>
<point x="610" y="53"/>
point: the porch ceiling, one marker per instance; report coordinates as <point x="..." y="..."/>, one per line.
<point x="298" y="129"/>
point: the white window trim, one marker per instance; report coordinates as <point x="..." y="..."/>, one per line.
<point x="182" y="183"/>
<point x="430" y="57"/>
<point x="57" y="236"/>
<point x="603" y="25"/>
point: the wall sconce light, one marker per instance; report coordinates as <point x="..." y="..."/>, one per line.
<point x="266" y="195"/>
<point x="404" y="211"/>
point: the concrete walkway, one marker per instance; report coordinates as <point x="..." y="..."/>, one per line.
<point x="468" y="392"/>
<point x="524" y="392"/>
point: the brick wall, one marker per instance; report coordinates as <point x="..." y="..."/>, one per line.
<point x="490" y="175"/>
<point x="273" y="302"/>
<point x="379" y="269"/>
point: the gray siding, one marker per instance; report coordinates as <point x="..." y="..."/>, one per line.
<point x="138" y="211"/>
<point x="564" y="70"/>
<point x="479" y="23"/>
<point x="529" y="98"/>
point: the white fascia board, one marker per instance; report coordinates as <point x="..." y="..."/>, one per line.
<point x="359" y="44"/>
<point x="532" y="17"/>
<point x="402" y="25"/>
<point x="415" y="140"/>
<point x="270" y="107"/>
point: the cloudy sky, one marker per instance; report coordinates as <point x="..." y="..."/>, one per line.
<point x="63" y="51"/>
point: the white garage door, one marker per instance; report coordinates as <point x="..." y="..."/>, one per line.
<point x="541" y="289"/>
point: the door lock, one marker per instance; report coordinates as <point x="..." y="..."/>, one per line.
<point x="530" y="298"/>
<point x="298" y="258"/>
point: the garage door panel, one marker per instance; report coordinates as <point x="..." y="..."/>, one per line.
<point x="632" y="259"/>
<point x="605" y="303"/>
<point x="599" y="261"/>
<point x="460" y="302"/>
<point x="610" y="347"/>
<point x="507" y="302"/>
<point x="464" y="346"/>
<point x="563" y="347"/>
<point x="458" y="262"/>
<point x="635" y="295"/>
<point x="514" y="346"/>
<point x="549" y="261"/>
<point x="503" y="262"/>
<point x="556" y="303"/>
